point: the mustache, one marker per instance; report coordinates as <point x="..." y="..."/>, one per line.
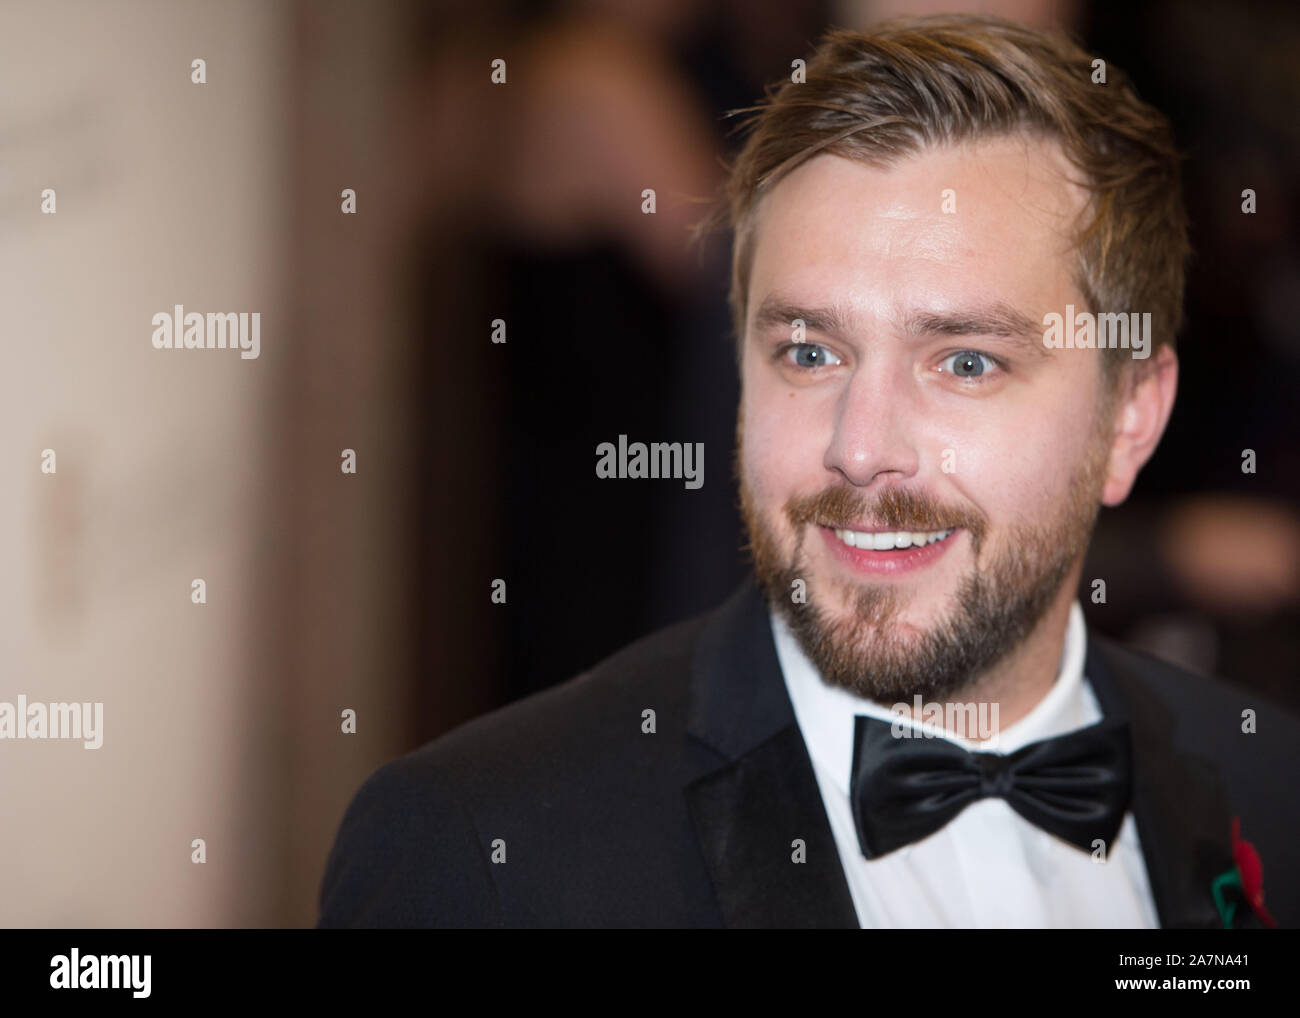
<point x="896" y="508"/>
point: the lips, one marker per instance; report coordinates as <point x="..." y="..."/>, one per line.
<point x="884" y="553"/>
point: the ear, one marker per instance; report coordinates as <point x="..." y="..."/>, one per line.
<point x="1139" y="419"/>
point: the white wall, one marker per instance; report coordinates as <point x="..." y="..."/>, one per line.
<point x="168" y="192"/>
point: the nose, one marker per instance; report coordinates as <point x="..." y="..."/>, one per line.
<point x="875" y="427"/>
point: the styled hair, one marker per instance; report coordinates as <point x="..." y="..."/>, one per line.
<point x="914" y="83"/>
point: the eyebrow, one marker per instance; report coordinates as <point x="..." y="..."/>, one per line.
<point x="996" y="318"/>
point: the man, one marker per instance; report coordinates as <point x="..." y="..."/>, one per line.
<point x="904" y="721"/>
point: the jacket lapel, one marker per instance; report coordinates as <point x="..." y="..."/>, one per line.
<point x="1179" y="802"/>
<point x="751" y="809"/>
<point x="750" y="812"/>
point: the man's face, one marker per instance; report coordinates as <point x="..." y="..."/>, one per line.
<point x="927" y="404"/>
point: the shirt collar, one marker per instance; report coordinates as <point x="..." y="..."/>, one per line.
<point x="826" y="713"/>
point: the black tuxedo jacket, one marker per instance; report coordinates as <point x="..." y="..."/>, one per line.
<point x="602" y="824"/>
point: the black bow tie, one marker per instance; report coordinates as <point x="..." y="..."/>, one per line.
<point x="1076" y="786"/>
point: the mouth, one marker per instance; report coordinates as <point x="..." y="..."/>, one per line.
<point x="880" y="552"/>
<point x="892" y="540"/>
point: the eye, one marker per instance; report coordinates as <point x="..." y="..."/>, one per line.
<point x="809" y="356"/>
<point x="969" y="364"/>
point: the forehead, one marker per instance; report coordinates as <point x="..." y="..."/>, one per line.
<point x="987" y="219"/>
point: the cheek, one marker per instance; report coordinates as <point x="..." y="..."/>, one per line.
<point x="1018" y="468"/>
<point x="784" y="443"/>
<point x="770" y="459"/>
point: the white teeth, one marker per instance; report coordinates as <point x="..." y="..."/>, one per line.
<point x="891" y="539"/>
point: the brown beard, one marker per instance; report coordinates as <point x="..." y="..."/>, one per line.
<point x="997" y="607"/>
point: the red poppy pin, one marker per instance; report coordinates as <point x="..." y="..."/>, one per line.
<point x="1247" y="877"/>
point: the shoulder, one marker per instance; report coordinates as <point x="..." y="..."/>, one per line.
<point x="555" y="753"/>
<point x="1249" y="743"/>
<point x="1242" y="732"/>
<point x="580" y="716"/>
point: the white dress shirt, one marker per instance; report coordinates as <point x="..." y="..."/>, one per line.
<point x="988" y="867"/>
